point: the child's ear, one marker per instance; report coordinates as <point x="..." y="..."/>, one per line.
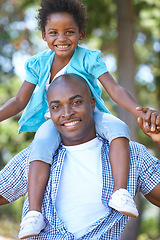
<point x="81" y="35"/>
<point x="44" y="36"/>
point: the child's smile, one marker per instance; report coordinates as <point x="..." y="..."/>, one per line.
<point x="62" y="34"/>
<point x="62" y="47"/>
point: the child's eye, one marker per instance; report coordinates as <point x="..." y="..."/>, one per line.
<point x="70" y="32"/>
<point x="53" y="33"/>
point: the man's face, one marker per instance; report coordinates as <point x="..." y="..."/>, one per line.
<point x="71" y="106"/>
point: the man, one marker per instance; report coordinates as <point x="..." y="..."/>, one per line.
<point x="76" y="199"/>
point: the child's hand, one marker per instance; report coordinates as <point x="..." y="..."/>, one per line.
<point x="155" y="136"/>
<point x="151" y="119"/>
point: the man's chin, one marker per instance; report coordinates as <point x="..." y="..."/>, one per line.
<point x="77" y="139"/>
<point x="72" y="139"/>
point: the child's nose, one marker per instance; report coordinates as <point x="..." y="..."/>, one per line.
<point x="62" y="37"/>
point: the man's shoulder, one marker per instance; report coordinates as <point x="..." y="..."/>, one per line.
<point x="137" y="147"/>
<point x="137" y="150"/>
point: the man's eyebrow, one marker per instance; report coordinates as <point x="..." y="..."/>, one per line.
<point x="79" y="96"/>
<point x="54" y="101"/>
<point x="71" y="98"/>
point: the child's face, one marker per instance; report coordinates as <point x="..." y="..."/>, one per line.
<point x="62" y="34"/>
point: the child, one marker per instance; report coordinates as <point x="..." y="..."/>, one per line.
<point x="62" y="24"/>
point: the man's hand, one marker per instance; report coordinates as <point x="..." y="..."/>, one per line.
<point x="150" y="123"/>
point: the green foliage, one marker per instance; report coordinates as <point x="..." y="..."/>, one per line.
<point x="9" y="228"/>
<point x="10" y="142"/>
<point x="10" y="218"/>
<point x="12" y="210"/>
<point x="150" y="227"/>
<point x="100" y="15"/>
<point x="11" y="37"/>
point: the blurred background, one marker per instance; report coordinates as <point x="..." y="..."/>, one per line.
<point x="128" y="34"/>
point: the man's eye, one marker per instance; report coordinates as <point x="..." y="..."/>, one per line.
<point x="56" y="107"/>
<point x="77" y="102"/>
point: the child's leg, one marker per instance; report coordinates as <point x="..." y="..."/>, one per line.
<point x="33" y="223"/>
<point x="117" y="133"/>
<point x="37" y="180"/>
<point x="46" y="141"/>
<point x="119" y="156"/>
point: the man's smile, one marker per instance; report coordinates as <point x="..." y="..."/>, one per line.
<point x="72" y="123"/>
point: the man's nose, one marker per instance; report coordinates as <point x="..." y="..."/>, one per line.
<point x="67" y="112"/>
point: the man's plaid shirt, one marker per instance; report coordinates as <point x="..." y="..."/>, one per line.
<point x="144" y="175"/>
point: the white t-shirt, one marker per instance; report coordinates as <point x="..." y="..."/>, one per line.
<point x="78" y="201"/>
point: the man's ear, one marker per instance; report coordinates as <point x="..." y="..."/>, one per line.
<point x="44" y="36"/>
<point x="81" y="35"/>
<point x="93" y="103"/>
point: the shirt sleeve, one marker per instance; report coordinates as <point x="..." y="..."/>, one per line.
<point x="14" y="176"/>
<point x="32" y="67"/>
<point x="94" y="64"/>
<point x="149" y="175"/>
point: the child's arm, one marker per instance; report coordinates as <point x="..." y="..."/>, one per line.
<point x="125" y="100"/>
<point x="17" y="103"/>
<point x="119" y="94"/>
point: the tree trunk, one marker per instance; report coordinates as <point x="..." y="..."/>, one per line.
<point x="126" y="59"/>
<point x="126" y="75"/>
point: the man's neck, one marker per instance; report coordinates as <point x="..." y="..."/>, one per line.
<point x="79" y="142"/>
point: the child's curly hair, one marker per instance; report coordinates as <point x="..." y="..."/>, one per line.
<point x="74" y="7"/>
